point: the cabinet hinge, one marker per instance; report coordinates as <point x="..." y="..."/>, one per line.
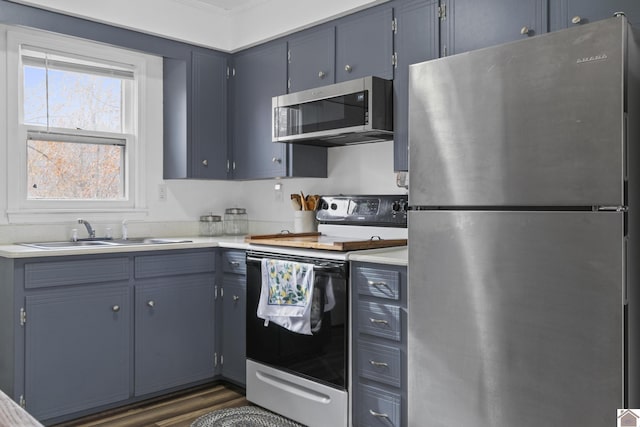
<point x="289" y="56"/>
<point x="442" y="12"/>
<point x="222" y="360"/>
<point x="228" y="72"/>
<point x="215" y="360"/>
<point x="228" y="163"/>
<point x="394" y="59"/>
<point x="23" y="316"/>
<point x="288" y="83"/>
<point x="222" y="293"/>
<point x="394" y="25"/>
<point x="22" y="402"/>
<point x="215" y="291"/>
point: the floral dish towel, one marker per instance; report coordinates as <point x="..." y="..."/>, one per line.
<point x="286" y="294"/>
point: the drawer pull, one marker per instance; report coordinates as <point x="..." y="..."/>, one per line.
<point x="379" y="364"/>
<point x="378" y="321"/>
<point x="378" y="414"/>
<point x="234" y="263"/>
<point x="379" y="284"/>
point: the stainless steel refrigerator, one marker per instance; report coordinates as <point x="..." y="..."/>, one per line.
<point x="523" y="232"/>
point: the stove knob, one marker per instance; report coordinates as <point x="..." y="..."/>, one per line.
<point x="324" y="205"/>
<point x="334" y="206"/>
<point x="395" y="207"/>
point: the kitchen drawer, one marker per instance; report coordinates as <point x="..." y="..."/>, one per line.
<point x="379" y="363"/>
<point x="381" y="320"/>
<point x="234" y="262"/>
<point x="60" y="273"/>
<point x="174" y="264"/>
<point x="377" y="282"/>
<point x="378" y="408"/>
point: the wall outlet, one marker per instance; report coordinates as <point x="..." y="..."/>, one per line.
<point x="162" y="192"/>
<point x="278" y="192"/>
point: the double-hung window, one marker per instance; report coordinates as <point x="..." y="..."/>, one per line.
<point x="77" y="142"/>
<point x="76" y="120"/>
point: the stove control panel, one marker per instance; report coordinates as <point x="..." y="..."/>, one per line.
<point x="381" y="210"/>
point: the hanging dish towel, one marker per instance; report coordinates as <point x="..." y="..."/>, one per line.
<point x="286" y="295"/>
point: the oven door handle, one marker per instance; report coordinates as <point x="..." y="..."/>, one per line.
<point x="328" y="267"/>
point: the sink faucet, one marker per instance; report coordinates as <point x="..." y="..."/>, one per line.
<point x="90" y="230"/>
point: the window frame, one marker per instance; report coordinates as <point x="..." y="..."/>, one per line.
<point x="20" y="209"/>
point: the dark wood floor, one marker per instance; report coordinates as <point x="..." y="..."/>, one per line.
<point x="178" y="410"/>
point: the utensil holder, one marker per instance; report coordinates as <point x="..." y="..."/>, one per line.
<point x="304" y="221"/>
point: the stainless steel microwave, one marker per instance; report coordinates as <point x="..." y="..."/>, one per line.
<point x="352" y="112"/>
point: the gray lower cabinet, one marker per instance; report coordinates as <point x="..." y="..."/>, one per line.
<point x="79" y="334"/>
<point x="76" y="348"/>
<point x="234" y="307"/>
<point x="174" y="320"/>
<point x="174" y="332"/>
<point x="379" y="360"/>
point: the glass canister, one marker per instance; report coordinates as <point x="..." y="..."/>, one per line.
<point x="211" y="225"/>
<point x="236" y="221"/>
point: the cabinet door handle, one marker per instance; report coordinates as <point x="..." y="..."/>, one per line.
<point x="236" y="297"/>
<point x="378" y="284"/>
<point x="322" y="74"/>
<point x="151" y="303"/>
<point x="378" y="321"/>
<point x="115" y="308"/>
<point x="525" y="31"/>
<point x="205" y="162"/>
<point x="378" y="414"/>
<point x="576" y="20"/>
<point x="276" y="160"/>
<point x="348" y="68"/>
<point x="378" y="364"/>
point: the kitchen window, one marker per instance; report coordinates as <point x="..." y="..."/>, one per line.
<point x="77" y="134"/>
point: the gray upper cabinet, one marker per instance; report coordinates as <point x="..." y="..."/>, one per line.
<point x="416" y="40"/>
<point x="195" y="117"/>
<point x="471" y="24"/>
<point x="569" y="13"/>
<point x="364" y="45"/>
<point x="311" y="59"/>
<point x="208" y="118"/>
<point x="259" y="74"/>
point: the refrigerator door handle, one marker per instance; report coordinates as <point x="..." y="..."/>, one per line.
<point x="611" y="208"/>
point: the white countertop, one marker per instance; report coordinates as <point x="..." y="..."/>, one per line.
<point x="394" y="255"/>
<point x="19" y="251"/>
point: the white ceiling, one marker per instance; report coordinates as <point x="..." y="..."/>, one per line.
<point x="227" y="25"/>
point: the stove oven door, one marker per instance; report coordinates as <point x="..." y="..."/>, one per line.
<point x="321" y="357"/>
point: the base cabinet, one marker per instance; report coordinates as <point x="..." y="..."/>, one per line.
<point x="234" y="305"/>
<point x="379" y="339"/>
<point x="84" y="333"/>
<point x="174" y="332"/>
<point x="61" y="374"/>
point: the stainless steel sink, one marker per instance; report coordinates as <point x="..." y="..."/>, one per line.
<point x="148" y="241"/>
<point x="103" y="243"/>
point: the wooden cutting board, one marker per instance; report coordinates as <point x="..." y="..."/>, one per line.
<point x="320" y="241"/>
